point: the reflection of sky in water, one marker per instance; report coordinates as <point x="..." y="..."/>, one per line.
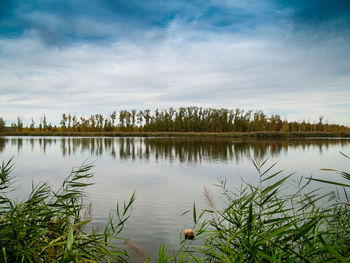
<point x="167" y="174"/>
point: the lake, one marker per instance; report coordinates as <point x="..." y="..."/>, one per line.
<point x="167" y="174"/>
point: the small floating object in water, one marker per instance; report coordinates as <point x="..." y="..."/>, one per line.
<point x="189" y="233"/>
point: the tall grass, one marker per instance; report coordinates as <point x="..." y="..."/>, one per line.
<point x="49" y="226"/>
<point x="264" y="223"/>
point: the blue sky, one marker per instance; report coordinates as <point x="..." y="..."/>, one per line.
<point x="97" y="56"/>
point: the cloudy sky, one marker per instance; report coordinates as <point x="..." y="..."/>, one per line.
<point x="97" y="56"/>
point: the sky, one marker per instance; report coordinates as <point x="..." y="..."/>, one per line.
<point x="290" y="58"/>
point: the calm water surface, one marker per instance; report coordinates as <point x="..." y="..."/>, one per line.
<point x="168" y="174"/>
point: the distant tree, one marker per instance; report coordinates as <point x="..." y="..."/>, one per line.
<point x="133" y="118"/>
<point x="147" y="118"/>
<point x="140" y="119"/>
<point x="303" y="126"/>
<point x="294" y="126"/>
<point x="69" y="121"/>
<point x="326" y="127"/>
<point x="275" y="123"/>
<point x="32" y="125"/>
<point x="113" y="116"/>
<point x="285" y="127"/>
<point x="259" y="121"/>
<point x="19" y="123"/>
<point x="84" y="124"/>
<point x="342" y="128"/>
<point x="101" y="121"/>
<point x="127" y="120"/>
<point x="107" y="125"/>
<point x="92" y="123"/>
<point x="44" y="123"/>
<point x="63" y="122"/>
<point x="75" y="122"/>
<point x="14" y="126"/>
<point x="171" y="119"/>
<point x="2" y="124"/>
<point x="319" y="124"/>
<point x="122" y="120"/>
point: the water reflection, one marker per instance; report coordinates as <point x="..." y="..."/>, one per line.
<point x="184" y="150"/>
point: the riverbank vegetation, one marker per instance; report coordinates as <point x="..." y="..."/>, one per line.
<point x="194" y="120"/>
<point x="50" y="225"/>
<point x="243" y="135"/>
<point x="267" y="223"/>
<point x="262" y="222"/>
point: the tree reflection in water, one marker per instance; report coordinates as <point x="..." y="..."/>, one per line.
<point x="185" y="150"/>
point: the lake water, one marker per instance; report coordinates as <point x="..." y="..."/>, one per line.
<point x="168" y="174"/>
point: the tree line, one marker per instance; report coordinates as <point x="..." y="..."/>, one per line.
<point x="189" y="119"/>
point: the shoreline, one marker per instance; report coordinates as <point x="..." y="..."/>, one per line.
<point x="262" y="134"/>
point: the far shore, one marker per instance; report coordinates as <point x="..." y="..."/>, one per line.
<point x="262" y="134"/>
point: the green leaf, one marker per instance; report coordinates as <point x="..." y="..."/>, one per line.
<point x="329" y="182"/>
<point x="4" y="253"/>
<point x="250" y="217"/>
<point x="344" y="155"/>
<point x="264" y="255"/>
<point x="268" y="197"/>
<point x="271" y="187"/>
<point x="268" y="169"/>
<point x="194" y="214"/>
<point x="70" y="238"/>
<point x="271" y="176"/>
<point x="332" y="251"/>
<point x="302" y="231"/>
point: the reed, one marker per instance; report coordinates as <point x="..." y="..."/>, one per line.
<point x="49" y="226"/>
<point x="264" y="223"/>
